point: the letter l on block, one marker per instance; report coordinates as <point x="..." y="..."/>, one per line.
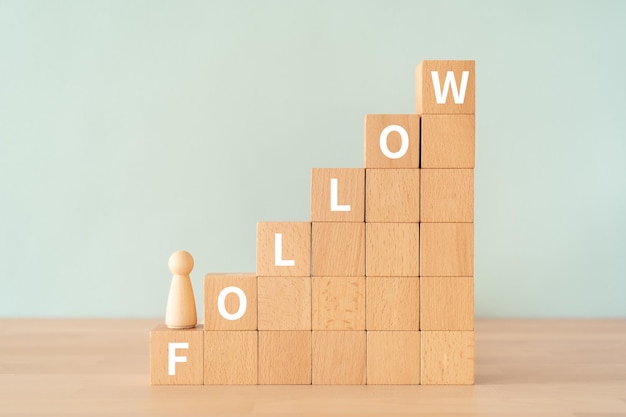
<point x="278" y="252"/>
<point x="334" y="204"/>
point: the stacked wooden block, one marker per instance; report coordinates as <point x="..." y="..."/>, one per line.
<point x="378" y="287"/>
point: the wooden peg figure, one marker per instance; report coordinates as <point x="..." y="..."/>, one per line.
<point x="181" y="304"/>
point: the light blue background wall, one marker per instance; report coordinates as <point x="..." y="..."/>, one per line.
<point x="131" y="129"/>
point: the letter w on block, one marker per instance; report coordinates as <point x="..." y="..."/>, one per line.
<point x="278" y="252"/>
<point x="458" y="94"/>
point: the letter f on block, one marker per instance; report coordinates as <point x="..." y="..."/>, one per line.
<point x="172" y="358"/>
<point x="450" y="83"/>
<point x="278" y="252"/>
<point x="334" y="199"/>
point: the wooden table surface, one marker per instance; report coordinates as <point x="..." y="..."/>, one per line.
<point x="524" y="368"/>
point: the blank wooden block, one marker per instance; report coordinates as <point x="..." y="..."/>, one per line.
<point x="393" y="303"/>
<point x="176" y="356"/>
<point x="448" y="141"/>
<point x="224" y="308"/>
<point x="392" y="195"/>
<point x="392" y="249"/>
<point x="338" y="195"/>
<point x="338" y="249"/>
<point x="283" y="249"/>
<point x="392" y="140"/>
<point x="338" y="303"/>
<point x="230" y="357"/>
<point x="446" y="249"/>
<point x="393" y="357"/>
<point x="447" y="195"/>
<point x="447" y="303"/>
<point x="339" y="357"/>
<point x="447" y="357"/>
<point x="284" y="303"/>
<point x="438" y="93"/>
<point x="285" y="357"/>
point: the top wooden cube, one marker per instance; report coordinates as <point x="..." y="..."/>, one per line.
<point x="445" y="87"/>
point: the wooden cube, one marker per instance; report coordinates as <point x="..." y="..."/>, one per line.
<point x="338" y="303"/>
<point x="392" y="141"/>
<point x="338" y="195"/>
<point x="338" y="249"/>
<point x="339" y="357"/>
<point x="285" y="357"/>
<point x="176" y="356"/>
<point x="283" y="249"/>
<point x="447" y="303"/>
<point x="393" y="357"/>
<point x="392" y="195"/>
<point x="230" y="357"/>
<point x="447" y="195"/>
<point x="392" y="249"/>
<point x="284" y="303"/>
<point x="446" y="249"/>
<point x="445" y="87"/>
<point x="447" y="357"/>
<point x="448" y="141"/>
<point x="230" y="302"/>
<point x="393" y="303"/>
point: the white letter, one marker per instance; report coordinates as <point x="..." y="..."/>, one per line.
<point x="450" y="82"/>
<point x="221" y="303"/>
<point x="334" y="206"/>
<point x="172" y="358"/>
<point x="403" y="147"/>
<point x="278" y="252"/>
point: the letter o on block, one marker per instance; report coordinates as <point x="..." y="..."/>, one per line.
<point x="404" y="137"/>
<point x="230" y="302"/>
<point x="392" y="141"/>
<point x="221" y="303"/>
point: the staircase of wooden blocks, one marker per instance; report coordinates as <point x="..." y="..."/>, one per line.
<point x="378" y="287"/>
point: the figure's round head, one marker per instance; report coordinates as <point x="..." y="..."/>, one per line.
<point x="181" y="263"/>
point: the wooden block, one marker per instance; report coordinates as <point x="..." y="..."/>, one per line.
<point x="392" y="141"/>
<point x="446" y="249"/>
<point x="338" y="250"/>
<point x="445" y="87"/>
<point x="447" y="358"/>
<point x="176" y="356"/>
<point x="392" y="249"/>
<point x="285" y="357"/>
<point x="393" y="303"/>
<point x="448" y="141"/>
<point x="338" y="195"/>
<point x="284" y="303"/>
<point x="283" y="249"/>
<point x="230" y="357"/>
<point x="339" y="357"/>
<point x="392" y="195"/>
<point x="447" y="303"/>
<point x="230" y="302"/>
<point x="447" y="195"/>
<point x="338" y="303"/>
<point x="393" y="357"/>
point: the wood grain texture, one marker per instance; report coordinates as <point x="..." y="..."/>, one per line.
<point x="392" y="195"/>
<point x="350" y="192"/>
<point x="448" y="141"/>
<point x="447" y="195"/>
<point x="285" y="357"/>
<point x="230" y="357"/>
<point x="374" y="126"/>
<point x="393" y="357"/>
<point x="339" y="357"/>
<point x="338" y="303"/>
<point x="446" y="249"/>
<point x="392" y="249"/>
<point x="426" y="102"/>
<point x="296" y="246"/>
<point x="393" y="303"/>
<point x="213" y="286"/>
<point x="186" y="373"/>
<point x="447" y="357"/>
<point x="100" y="367"/>
<point x="446" y="303"/>
<point x="284" y="303"/>
<point x="338" y="249"/>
